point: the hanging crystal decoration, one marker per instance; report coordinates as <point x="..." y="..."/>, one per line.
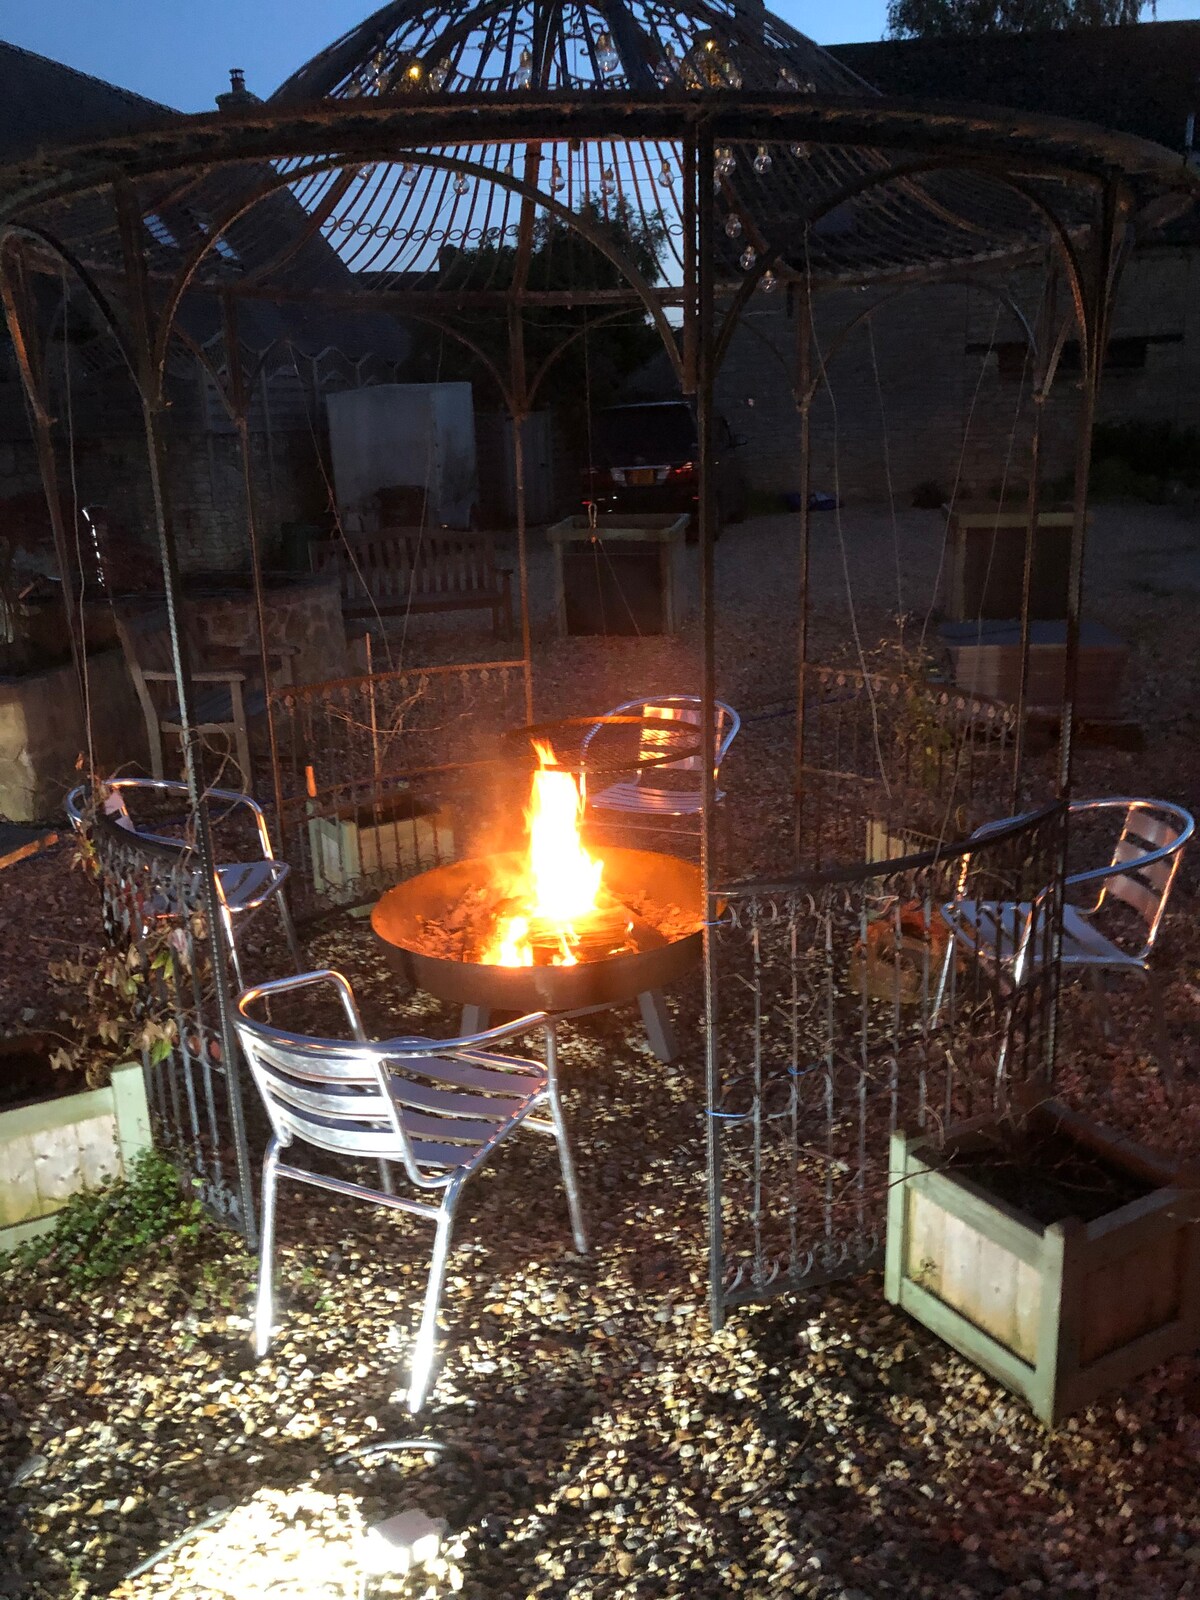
<point x="607" y="58"/>
<point x="787" y="79"/>
<point x="607" y="182"/>
<point x="733" y="225"/>
<point x="557" y="181"/>
<point x="768" y="282"/>
<point x="523" y="76"/>
<point x="408" y="174"/>
<point x="439" y="73"/>
<point x="666" y="69"/>
<point x="800" y="150"/>
<point x="748" y="257"/>
<point x="762" y="160"/>
<point x="462" y="183"/>
<point x="707" y="66"/>
<point x="723" y="161"/>
<point x="666" y="175"/>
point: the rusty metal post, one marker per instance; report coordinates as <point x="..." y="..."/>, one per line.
<point x="19" y="315"/>
<point x="239" y="399"/>
<point x="703" y="244"/>
<point x="150" y="389"/>
<point x="804" y="400"/>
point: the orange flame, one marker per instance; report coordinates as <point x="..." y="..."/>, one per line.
<point x="560" y="881"/>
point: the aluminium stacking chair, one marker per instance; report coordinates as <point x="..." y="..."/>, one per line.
<point x="1008" y="936"/>
<point x="437" y="1108"/>
<point x="644" y="800"/>
<point x="243" y="887"/>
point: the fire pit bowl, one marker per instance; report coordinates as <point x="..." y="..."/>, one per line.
<point x="401" y="915"/>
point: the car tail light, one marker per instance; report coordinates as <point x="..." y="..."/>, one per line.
<point x="685" y="473"/>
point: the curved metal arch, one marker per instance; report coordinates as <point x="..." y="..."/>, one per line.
<point x="628" y="271"/>
<point x="848" y="329"/>
<point x="481" y="355"/>
<point x="561" y="349"/>
<point x="16" y="230"/>
<point x="899" y="172"/>
<point x="906" y="169"/>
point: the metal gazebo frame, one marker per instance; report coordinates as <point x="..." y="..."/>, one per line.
<point x="511" y="99"/>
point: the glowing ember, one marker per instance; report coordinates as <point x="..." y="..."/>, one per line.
<point x="560" y="881"/>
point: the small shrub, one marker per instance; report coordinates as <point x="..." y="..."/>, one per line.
<point x="1140" y="459"/>
<point x="145" y="1218"/>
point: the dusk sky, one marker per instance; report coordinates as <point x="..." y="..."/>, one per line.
<point x="179" y="51"/>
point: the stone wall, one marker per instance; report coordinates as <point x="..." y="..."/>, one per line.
<point x="922" y="393"/>
<point x="305" y="616"/>
<point x="204" y="482"/>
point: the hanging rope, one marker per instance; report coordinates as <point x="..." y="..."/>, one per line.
<point x="962" y="456"/>
<point x="841" y="534"/>
<point x="597" y="543"/>
<point x="84" y="670"/>
<point x="887" y="465"/>
<point x="331" y="500"/>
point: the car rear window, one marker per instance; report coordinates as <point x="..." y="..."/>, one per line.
<point x="648" y="433"/>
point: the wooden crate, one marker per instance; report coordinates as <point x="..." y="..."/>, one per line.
<point x="986" y="659"/>
<point x="627" y="576"/>
<point x="388" y="838"/>
<point x="53" y="1149"/>
<point x="985" y="566"/>
<point x="1058" y="1314"/>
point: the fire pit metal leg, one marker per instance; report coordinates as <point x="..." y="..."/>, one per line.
<point x="651" y="1003"/>
<point x="475" y="1019"/>
<point x="657" y="1021"/>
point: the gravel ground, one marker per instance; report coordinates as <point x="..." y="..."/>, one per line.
<point x="589" y="1434"/>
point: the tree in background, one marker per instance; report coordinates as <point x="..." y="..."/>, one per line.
<point x="592" y="367"/>
<point x="909" y="19"/>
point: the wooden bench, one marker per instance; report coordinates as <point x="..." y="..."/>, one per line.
<point x="399" y="571"/>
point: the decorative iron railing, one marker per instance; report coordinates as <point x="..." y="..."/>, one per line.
<point x="845" y="1009"/>
<point x="153" y="899"/>
<point x="890" y="765"/>
<point x="376" y="772"/>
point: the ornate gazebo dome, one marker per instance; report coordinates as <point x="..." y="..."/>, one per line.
<point x="846" y="202"/>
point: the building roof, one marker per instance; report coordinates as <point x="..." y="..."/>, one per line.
<point x="1143" y="79"/>
<point x="44" y="102"/>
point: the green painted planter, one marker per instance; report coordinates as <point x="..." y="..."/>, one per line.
<point x="1057" y="1313"/>
<point x="54" y="1149"/>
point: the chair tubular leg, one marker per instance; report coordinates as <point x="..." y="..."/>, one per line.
<point x="566" y="1161"/>
<point x="426" y="1346"/>
<point x="234" y="958"/>
<point x="264" y="1306"/>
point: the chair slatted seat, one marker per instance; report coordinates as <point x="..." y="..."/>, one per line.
<point x="437" y="1109"/>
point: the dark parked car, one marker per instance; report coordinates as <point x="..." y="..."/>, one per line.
<point x="645" y="457"/>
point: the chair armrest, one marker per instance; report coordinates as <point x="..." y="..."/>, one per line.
<point x="218" y="677"/>
<point x="235" y="797"/>
<point x="306" y="980"/>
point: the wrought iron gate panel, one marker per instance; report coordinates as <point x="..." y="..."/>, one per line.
<point x="374" y="770"/>
<point x="904" y="762"/>
<point x="153" y="900"/>
<point x="845" y="1011"/>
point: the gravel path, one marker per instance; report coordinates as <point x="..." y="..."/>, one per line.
<point x="589" y="1435"/>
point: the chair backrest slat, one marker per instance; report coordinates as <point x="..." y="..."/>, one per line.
<point x="398" y="1100"/>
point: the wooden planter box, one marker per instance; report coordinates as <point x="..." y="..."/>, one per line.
<point x="1057" y="1313"/>
<point x="53" y="1149"/>
<point x="389" y="838"/>
<point x="636" y="586"/>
